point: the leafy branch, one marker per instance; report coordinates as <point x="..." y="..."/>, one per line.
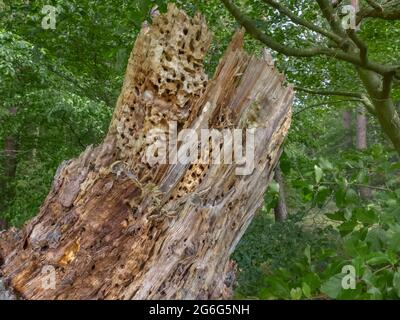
<point x="377" y="78"/>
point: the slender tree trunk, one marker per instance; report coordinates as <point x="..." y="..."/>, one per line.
<point x="116" y="227"/>
<point x="10" y="150"/>
<point x="361" y="143"/>
<point x="10" y="167"/>
<point x="280" y="210"/>
<point x="385" y="109"/>
<point x="3" y="224"/>
<point x="36" y="143"/>
<point x="348" y="140"/>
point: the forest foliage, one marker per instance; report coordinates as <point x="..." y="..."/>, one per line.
<point x="64" y="83"/>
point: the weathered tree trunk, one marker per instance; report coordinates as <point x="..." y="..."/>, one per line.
<point x="115" y="227"/>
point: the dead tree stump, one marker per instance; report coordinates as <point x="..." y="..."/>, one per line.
<point x="116" y="227"/>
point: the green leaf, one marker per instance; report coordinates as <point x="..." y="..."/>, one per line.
<point x="355" y="247"/>
<point x="366" y="216"/>
<point x="395" y="166"/>
<point x="296" y="294"/>
<point x="376" y="239"/>
<point x="336" y="216"/>
<point x="285" y="163"/>
<point x="274" y="186"/>
<point x="347" y="214"/>
<point x="333" y="286"/>
<point x="396" y="283"/>
<point x="312" y="280"/>
<point x="369" y="278"/>
<point x="351" y="196"/>
<point x="278" y="287"/>
<point x="322" y="194"/>
<point x="375" y="293"/>
<point x="306" y="290"/>
<point x="307" y="253"/>
<point x="378" y="258"/>
<point x="347" y="227"/>
<point x="340" y="197"/>
<point x="318" y="173"/>
<point x="359" y="264"/>
<point x="394" y="237"/>
<point x="325" y="164"/>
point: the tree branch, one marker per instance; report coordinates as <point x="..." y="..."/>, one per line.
<point x="360" y="44"/>
<point x="359" y="185"/>
<point x="326" y="103"/>
<point x="323" y="92"/>
<point x="329" y="14"/>
<point x="387" y="11"/>
<point x="300" y="21"/>
<point x="359" y="96"/>
<point x="387" y="86"/>
<point x="374" y="5"/>
<point x="252" y="29"/>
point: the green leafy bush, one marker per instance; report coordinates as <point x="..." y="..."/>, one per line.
<point x="298" y="259"/>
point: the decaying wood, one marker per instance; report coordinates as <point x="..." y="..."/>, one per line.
<point x="112" y="226"/>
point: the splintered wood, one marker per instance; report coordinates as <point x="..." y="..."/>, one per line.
<point x="115" y="227"/>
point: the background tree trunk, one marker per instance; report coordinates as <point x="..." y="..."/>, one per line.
<point x="3" y="224"/>
<point x="10" y="167"/>
<point x="348" y="137"/>
<point x="361" y="143"/>
<point x="280" y="210"/>
<point x="115" y="227"/>
<point x="10" y="148"/>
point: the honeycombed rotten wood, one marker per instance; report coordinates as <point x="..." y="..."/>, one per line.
<point x="104" y="227"/>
